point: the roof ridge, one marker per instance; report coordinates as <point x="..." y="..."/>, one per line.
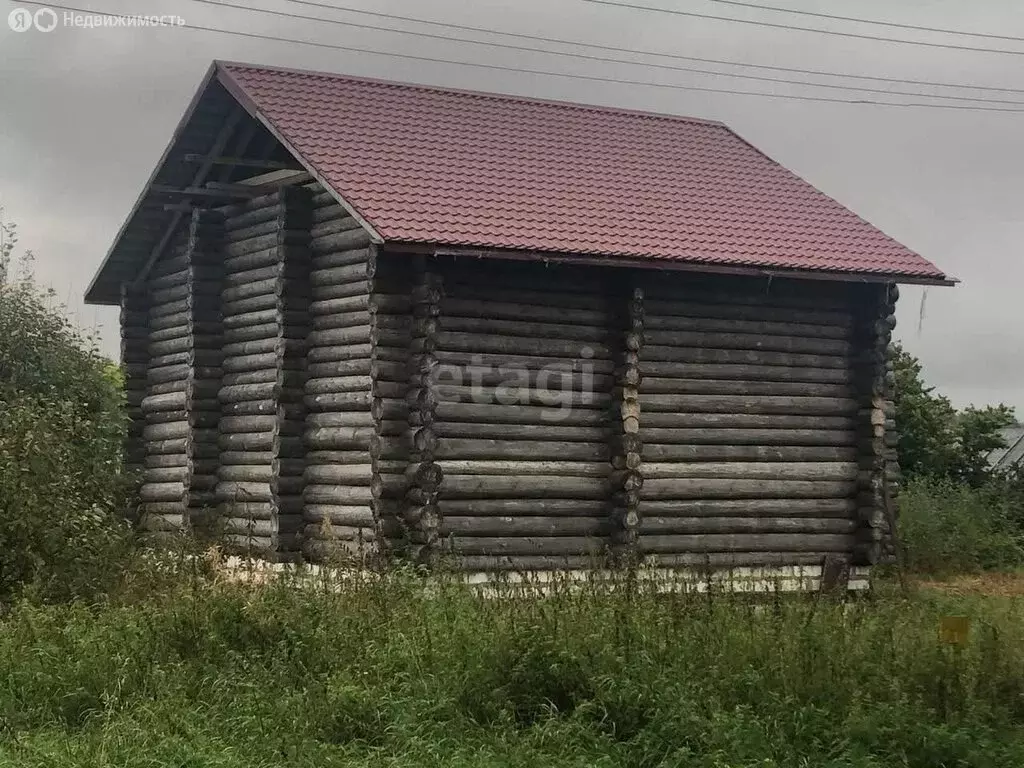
<point x="510" y="97"/>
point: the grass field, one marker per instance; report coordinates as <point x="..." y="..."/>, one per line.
<point x="388" y="672"/>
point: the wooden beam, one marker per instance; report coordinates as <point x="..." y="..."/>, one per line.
<point x="220" y="191"/>
<point x="201" y="173"/>
<point x="244" y="162"/>
<point x="179" y="207"/>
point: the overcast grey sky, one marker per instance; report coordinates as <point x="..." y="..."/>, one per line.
<point x="85" y="114"/>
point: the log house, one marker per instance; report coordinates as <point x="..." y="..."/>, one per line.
<point x="393" y="321"/>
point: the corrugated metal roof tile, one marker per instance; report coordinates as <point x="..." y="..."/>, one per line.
<point x="426" y="165"/>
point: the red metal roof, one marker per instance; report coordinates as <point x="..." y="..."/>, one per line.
<point x="456" y="168"/>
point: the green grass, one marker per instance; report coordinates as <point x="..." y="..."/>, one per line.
<point x="385" y="672"/>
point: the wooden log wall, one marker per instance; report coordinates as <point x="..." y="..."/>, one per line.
<point x="265" y="307"/>
<point x="749" y="421"/>
<point x="518" y="417"/>
<point x="183" y="339"/>
<point x="392" y="444"/>
<point x="874" y="322"/>
<point x="339" y="518"/>
<point x="206" y="275"/>
<point x="134" y="363"/>
<point x="627" y="446"/>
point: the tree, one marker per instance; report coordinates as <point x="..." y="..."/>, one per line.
<point x="62" y="492"/>
<point x="935" y="439"/>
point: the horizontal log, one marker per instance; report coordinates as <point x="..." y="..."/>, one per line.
<point x="747" y="341"/>
<point x="342" y="495"/>
<point x="337" y="514"/>
<point x="328" y="307"/>
<point x="654" y="452"/>
<point x="527" y="545"/>
<point x="666" y="385"/>
<point x="659" y="525"/>
<point x="252" y="473"/>
<point x="722" y="561"/>
<point x="461" y="526"/>
<point x="249" y="305"/>
<point x="521" y="485"/>
<point x="748" y="470"/>
<point x="557" y="366"/>
<point x="750" y="437"/>
<point x="661" y="323"/>
<point x="525" y="346"/>
<point x="542" y="432"/>
<point x="337" y="353"/>
<point x="520" y="390"/>
<point x="702" y="488"/>
<point x="672" y="354"/>
<point x="747" y="542"/>
<point x="332" y="291"/>
<point x="340" y="474"/>
<point x="353" y="418"/>
<point x="341" y="241"/>
<point x="339" y="438"/>
<point x="524" y="467"/>
<point x="337" y="384"/>
<point x="255" y="230"/>
<point x="172" y="491"/>
<point x="340" y="368"/>
<point x="266" y="362"/>
<point x="348" y="319"/>
<point x="520" y="414"/>
<point x="599" y="331"/>
<point x="341" y="223"/>
<point x="454" y="448"/>
<point x="174" y="401"/>
<point x="350" y="535"/>
<point x="745" y="421"/>
<point x="352" y="267"/>
<point x="340" y="336"/>
<point x="525" y="507"/>
<point x="834" y="507"/>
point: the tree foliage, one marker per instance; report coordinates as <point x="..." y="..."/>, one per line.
<point x="935" y="439"/>
<point x="62" y="491"/>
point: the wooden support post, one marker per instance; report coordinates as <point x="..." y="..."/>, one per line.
<point x="421" y="513"/>
<point x="872" y="334"/>
<point x="627" y="447"/>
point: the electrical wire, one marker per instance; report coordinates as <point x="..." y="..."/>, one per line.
<point x="793" y="27"/>
<point x="546" y="73"/>
<point x="642" y="52"/>
<point x="603" y="59"/>
<point x="860" y="20"/>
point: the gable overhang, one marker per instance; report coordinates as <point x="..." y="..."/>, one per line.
<point x="218" y="115"/>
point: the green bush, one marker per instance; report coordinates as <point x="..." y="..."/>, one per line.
<point x="62" y="492"/>
<point x="947" y="527"/>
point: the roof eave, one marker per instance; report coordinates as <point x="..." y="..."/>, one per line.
<point x="678" y="265"/>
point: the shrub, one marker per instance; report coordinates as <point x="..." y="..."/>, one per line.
<point x="62" y="492"/>
<point x="947" y="527"/>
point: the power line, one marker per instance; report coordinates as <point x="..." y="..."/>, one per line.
<point x="546" y="73"/>
<point x="603" y="59"/>
<point x="641" y="52"/>
<point x="484" y="30"/>
<point x="777" y="25"/>
<point x="878" y="22"/>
